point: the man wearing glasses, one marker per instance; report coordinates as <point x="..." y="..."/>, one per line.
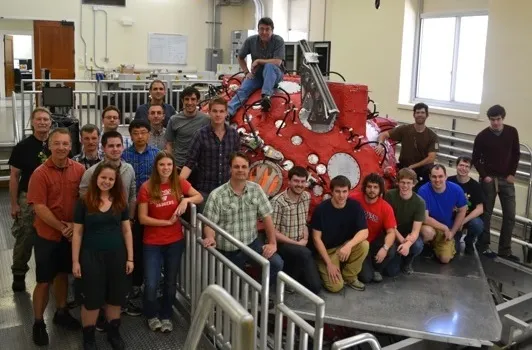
<point x="110" y="122"/>
<point x="267" y="53"/>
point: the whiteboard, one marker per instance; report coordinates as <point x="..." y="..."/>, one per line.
<point x="167" y="48"/>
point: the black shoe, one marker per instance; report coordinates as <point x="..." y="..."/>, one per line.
<point x="266" y="103"/>
<point x="101" y="322"/>
<point x="19" y="283"/>
<point x="113" y="335"/>
<point x="131" y="309"/>
<point x="488" y="253"/>
<point x="89" y="342"/>
<point x="64" y="319"/>
<point x="510" y="257"/>
<point x="469" y="249"/>
<point x="40" y="335"/>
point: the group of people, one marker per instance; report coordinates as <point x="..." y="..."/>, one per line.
<point x="110" y="216"/>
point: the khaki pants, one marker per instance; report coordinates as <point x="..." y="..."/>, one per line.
<point x="24" y="234"/>
<point x="349" y="269"/>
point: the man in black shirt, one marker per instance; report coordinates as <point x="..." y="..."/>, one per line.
<point x="339" y="233"/>
<point x="26" y="156"/>
<point x="475" y="207"/>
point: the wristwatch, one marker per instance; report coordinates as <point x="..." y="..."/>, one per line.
<point x="385" y="247"/>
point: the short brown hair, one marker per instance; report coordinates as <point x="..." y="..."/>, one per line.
<point x="407" y="173"/>
<point x="340" y="181"/>
<point x="218" y="101"/>
<point x="63" y="131"/>
<point x="238" y="154"/>
<point x="110" y="108"/>
<point x="89" y="129"/>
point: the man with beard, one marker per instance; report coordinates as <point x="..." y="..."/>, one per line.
<point x="381" y="228"/>
<point x="419" y="144"/>
<point x="157" y="94"/>
<point x="290" y="211"/>
<point x="182" y="126"/>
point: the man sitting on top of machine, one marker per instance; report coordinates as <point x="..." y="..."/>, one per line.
<point x="267" y="53"/>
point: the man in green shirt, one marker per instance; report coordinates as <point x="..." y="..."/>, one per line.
<point x="409" y="210"/>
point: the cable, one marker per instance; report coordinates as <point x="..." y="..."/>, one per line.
<point x="333" y="72"/>
<point x="385" y="154"/>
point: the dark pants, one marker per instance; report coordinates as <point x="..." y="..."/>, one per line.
<point x="506" y="191"/>
<point x="156" y="257"/>
<point x="474" y="228"/>
<point x="24" y="234"/>
<point x="240" y="259"/>
<point x="370" y="265"/>
<point x="394" y="267"/>
<point x="300" y="265"/>
<point x="138" y="271"/>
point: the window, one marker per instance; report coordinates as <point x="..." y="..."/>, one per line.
<point x="450" y="61"/>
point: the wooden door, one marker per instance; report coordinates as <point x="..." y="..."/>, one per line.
<point x="9" y="65"/>
<point x="54" y="49"/>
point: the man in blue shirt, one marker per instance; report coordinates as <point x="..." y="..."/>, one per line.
<point x="442" y="199"/>
<point x="157" y="94"/>
<point x="267" y="53"/>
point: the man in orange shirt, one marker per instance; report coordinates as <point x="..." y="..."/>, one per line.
<point x="381" y="226"/>
<point x="53" y="191"/>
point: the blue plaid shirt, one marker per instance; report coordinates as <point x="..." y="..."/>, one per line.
<point x="211" y="156"/>
<point x="142" y="163"/>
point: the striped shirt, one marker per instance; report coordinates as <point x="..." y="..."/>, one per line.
<point x="289" y="217"/>
<point x="237" y="214"/>
<point x="142" y="163"/>
<point x="211" y="156"/>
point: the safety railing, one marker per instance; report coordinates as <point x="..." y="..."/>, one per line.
<point x="92" y="96"/>
<point x="16" y="127"/>
<point x="242" y="321"/>
<point x="357" y="340"/>
<point x="187" y="269"/>
<point x="293" y="320"/>
<point x="212" y="267"/>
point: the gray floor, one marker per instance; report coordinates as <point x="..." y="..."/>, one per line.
<point x="16" y="315"/>
<point x="449" y="303"/>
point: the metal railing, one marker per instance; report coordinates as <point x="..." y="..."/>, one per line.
<point x="293" y="320"/>
<point x="212" y="267"/>
<point x="92" y="96"/>
<point x="16" y="129"/>
<point x="242" y="321"/>
<point x="356" y="340"/>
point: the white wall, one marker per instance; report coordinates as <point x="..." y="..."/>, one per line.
<point x="10" y="27"/>
<point x="128" y="44"/>
<point x="22" y="46"/>
<point x="372" y="53"/>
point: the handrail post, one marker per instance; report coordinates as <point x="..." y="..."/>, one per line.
<point x="242" y="331"/>
<point x="356" y="340"/>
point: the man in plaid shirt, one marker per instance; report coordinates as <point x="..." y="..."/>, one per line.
<point x="235" y="207"/>
<point x="290" y="211"/>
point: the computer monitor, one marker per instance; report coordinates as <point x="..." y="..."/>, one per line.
<point x="57" y="96"/>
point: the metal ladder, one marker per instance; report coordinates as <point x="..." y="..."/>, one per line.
<point x="242" y="328"/>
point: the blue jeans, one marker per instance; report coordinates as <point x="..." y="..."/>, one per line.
<point x="475" y="227"/>
<point x="394" y="266"/>
<point x="240" y="259"/>
<point x="266" y="77"/>
<point x="156" y="256"/>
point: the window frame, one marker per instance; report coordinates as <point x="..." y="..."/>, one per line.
<point x="417" y="52"/>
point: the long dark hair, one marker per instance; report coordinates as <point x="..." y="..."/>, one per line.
<point x="154" y="184"/>
<point x="93" y="198"/>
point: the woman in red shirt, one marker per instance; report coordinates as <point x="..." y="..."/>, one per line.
<point x="161" y="201"/>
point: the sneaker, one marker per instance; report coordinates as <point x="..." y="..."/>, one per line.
<point x="377" y="277"/>
<point x="101" y="322"/>
<point x="64" y="319"/>
<point x="510" y="257"/>
<point x="356" y="285"/>
<point x="408" y="269"/>
<point x="40" y="335"/>
<point x="131" y="309"/>
<point x="19" y="283"/>
<point x="488" y="253"/>
<point x="266" y="103"/>
<point x="154" y="324"/>
<point x="166" y="326"/>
